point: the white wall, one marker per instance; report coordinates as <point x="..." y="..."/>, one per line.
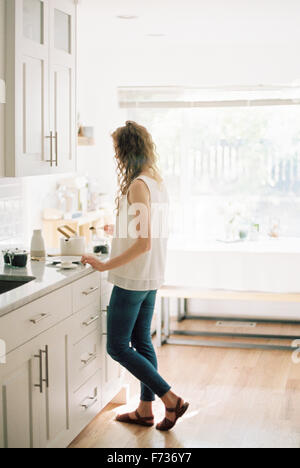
<point x="98" y="80"/>
<point x="2" y="76"/>
<point x="200" y="66"/>
<point x="97" y="106"/>
<point x="39" y="193"/>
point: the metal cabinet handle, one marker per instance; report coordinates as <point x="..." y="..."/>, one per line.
<point x="46" y="352"/>
<point x="92" y="357"/>
<point x="92" y="320"/>
<point x="56" y="149"/>
<point x="39" y="319"/>
<point x="90" y="291"/>
<point x="40" y="384"/>
<point x="92" y="403"/>
<point x="50" y="137"/>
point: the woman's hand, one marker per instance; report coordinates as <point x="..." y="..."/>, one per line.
<point x="94" y="262"/>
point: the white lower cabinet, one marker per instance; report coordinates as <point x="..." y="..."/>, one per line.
<point x="34" y="392"/>
<point x="52" y="386"/>
<point x="20" y="398"/>
<point x="54" y="411"/>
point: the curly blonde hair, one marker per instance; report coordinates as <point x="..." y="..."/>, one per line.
<point x="135" y="152"/>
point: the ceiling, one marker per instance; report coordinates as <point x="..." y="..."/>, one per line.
<point x="191" y="22"/>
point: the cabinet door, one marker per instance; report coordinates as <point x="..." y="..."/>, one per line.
<point x="54" y="415"/>
<point x="21" y="397"/>
<point x="63" y="84"/>
<point x="27" y="148"/>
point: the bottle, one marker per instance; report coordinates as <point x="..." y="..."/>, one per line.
<point x="37" y="245"/>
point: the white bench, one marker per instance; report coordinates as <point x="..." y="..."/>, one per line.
<point x="182" y="294"/>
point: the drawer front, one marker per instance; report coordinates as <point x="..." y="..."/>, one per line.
<point x="85" y="322"/>
<point x="86" y="403"/>
<point x="29" y="321"/>
<point x="86" y="291"/>
<point x="85" y="359"/>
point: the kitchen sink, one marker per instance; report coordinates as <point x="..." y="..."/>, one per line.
<point x="8" y="283"/>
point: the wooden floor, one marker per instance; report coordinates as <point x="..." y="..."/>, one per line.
<point x="238" y="398"/>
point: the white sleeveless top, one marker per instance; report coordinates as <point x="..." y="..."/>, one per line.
<point x="146" y="272"/>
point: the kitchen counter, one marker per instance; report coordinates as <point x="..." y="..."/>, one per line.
<point x="48" y="279"/>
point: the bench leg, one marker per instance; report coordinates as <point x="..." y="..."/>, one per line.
<point x="166" y="317"/>
<point x="181" y="309"/>
<point x="182" y="314"/>
<point x="185" y="310"/>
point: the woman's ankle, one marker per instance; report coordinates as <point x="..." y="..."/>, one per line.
<point x="146" y="407"/>
<point x="169" y="398"/>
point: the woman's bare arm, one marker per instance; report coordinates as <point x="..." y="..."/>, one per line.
<point x="138" y="195"/>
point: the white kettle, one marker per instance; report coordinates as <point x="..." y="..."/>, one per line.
<point x="71" y="245"/>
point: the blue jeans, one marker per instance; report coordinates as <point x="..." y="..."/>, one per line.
<point x="129" y="320"/>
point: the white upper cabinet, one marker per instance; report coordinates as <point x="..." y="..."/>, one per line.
<point x="62" y="83"/>
<point x="41" y="103"/>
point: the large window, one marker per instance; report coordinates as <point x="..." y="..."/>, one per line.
<point x="231" y="157"/>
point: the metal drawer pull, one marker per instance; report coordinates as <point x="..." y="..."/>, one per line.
<point x="93" y="402"/>
<point x="90" y="291"/>
<point x="39" y="319"/>
<point x="92" y="320"/>
<point x="92" y="357"/>
<point x="40" y="385"/>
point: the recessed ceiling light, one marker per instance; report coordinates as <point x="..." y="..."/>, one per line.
<point x="127" y="17"/>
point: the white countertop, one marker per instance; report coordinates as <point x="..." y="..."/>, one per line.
<point x="48" y="279"/>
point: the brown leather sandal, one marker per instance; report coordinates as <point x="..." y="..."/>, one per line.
<point x="166" y="424"/>
<point x="141" y="421"/>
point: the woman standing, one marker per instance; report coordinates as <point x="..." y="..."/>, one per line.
<point x="136" y="269"/>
